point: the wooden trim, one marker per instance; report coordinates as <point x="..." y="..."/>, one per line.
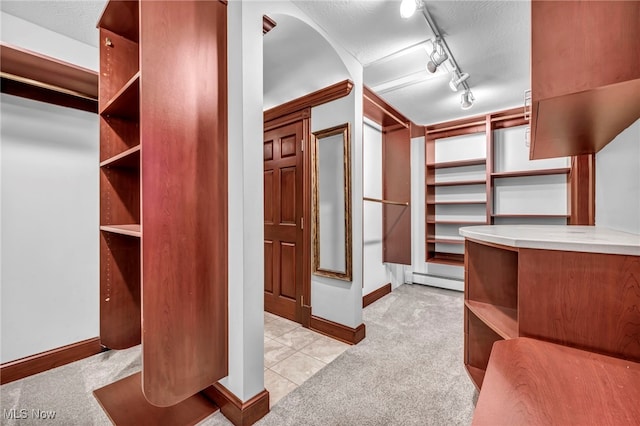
<point x="287" y="119"/>
<point x="42" y="94"/>
<point x="337" y="331"/>
<point x="267" y="24"/>
<point x="33" y="364"/>
<point x="238" y="412"/>
<point x="536" y="172"/>
<point x="379" y="111"/>
<point x="581" y="185"/>
<point x="376" y="295"/>
<point x="319" y="97"/>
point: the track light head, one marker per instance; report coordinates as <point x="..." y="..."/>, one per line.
<point x="466" y="99"/>
<point x="457" y="80"/>
<point x="436" y="58"/>
<point x="408" y="8"/>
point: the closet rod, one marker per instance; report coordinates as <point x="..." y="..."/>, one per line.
<point x="378" y="200"/>
<point x="42" y="85"/>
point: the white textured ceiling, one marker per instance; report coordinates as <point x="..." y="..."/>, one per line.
<point x="489" y="39"/>
<point x="75" y="19"/>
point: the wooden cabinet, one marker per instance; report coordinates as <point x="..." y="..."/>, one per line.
<point x="163" y="192"/>
<point x="585" y="74"/>
<point x="583" y="299"/>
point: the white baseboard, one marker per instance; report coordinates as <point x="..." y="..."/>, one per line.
<point x="438" y="281"/>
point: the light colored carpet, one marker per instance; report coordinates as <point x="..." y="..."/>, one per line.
<point x="408" y="371"/>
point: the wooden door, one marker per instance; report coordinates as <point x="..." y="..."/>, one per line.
<point x="283" y="213"/>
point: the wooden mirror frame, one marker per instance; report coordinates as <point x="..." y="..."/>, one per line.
<point x="318" y="269"/>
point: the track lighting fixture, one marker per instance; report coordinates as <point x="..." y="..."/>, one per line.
<point x="441" y="52"/>
<point x="466" y="99"/>
<point x="409" y="7"/>
<point x="457" y="79"/>
<point x="437" y="57"/>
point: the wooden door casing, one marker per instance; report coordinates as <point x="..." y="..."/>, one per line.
<point x="283" y="213"/>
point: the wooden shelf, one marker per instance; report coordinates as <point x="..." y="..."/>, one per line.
<point x="121" y="17"/>
<point x="128" y="159"/>
<point x="526" y="173"/>
<point x="46" y="79"/>
<point x="476" y="375"/>
<point x="531" y="215"/>
<point x="457" y="183"/>
<point x="455" y="222"/>
<point x="452" y="203"/>
<point x="445" y="241"/>
<point x="453" y="259"/>
<point x="500" y="319"/>
<point x="126" y="102"/>
<point x="129" y="230"/>
<point x="460" y="163"/>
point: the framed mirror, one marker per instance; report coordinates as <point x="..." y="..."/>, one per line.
<point x="331" y="187"/>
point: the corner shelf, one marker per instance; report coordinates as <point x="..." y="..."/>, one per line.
<point x="532" y="216"/>
<point x="445" y="240"/>
<point x="453" y="203"/>
<point x="452" y="259"/>
<point x="125" y="103"/>
<point x="527" y="173"/>
<point x="129" y="230"/>
<point x="128" y="159"/>
<point x="457" y="183"/>
<point x="504" y="321"/>
<point x="460" y="163"/>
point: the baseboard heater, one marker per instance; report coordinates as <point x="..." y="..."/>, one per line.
<point x="440" y="281"/>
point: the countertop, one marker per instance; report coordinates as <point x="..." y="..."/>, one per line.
<point x="591" y="239"/>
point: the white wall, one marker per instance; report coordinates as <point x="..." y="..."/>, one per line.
<point x="24" y="34"/>
<point x="337" y="300"/>
<point x="618" y="182"/>
<point x="49" y="210"/>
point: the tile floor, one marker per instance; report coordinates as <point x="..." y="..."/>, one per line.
<point x="292" y="354"/>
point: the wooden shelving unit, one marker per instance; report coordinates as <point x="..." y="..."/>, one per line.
<point x="42" y="78"/>
<point x="527" y="173"/>
<point x="158" y="152"/>
<point x="458" y="183"/>
<point x="508" y="294"/>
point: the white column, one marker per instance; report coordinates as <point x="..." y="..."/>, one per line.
<point x="246" y="229"/>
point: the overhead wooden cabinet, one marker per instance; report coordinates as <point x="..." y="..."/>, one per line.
<point x="163" y="184"/>
<point x="585" y="74"/>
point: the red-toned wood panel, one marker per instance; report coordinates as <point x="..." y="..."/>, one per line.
<point x="269" y="214"/>
<point x="117" y="135"/>
<point x="119" y="291"/>
<point x="268" y="266"/>
<point x="491" y="274"/>
<point x="590" y="300"/>
<point x="582" y="190"/>
<point x="118" y="63"/>
<point x="268" y="150"/>
<point x="119" y="196"/>
<point x="574" y="45"/>
<point x="396" y="186"/>
<point x="183" y="124"/>
<point x="288" y="270"/>
<point x="529" y="382"/>
<point x="288" y="146"/>
<point x="479" y="339"/>
<point x="122" y="17"/>
<point x="288" y="197"/>
<point x="284" y="232"/>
